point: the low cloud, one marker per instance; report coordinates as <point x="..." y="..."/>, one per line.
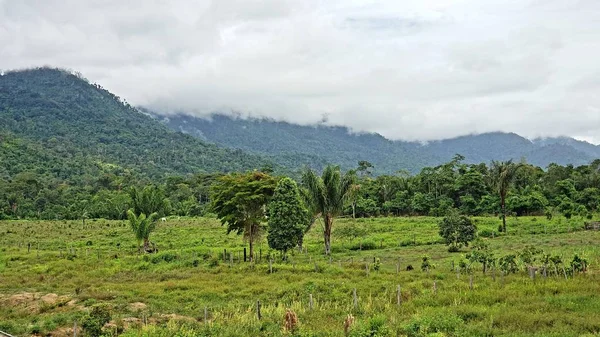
<point x="414" y="70"/>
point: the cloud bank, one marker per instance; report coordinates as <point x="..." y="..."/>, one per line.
<point x="413" y="70"/>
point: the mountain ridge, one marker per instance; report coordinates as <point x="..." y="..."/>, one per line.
<point x="270" y="137"/>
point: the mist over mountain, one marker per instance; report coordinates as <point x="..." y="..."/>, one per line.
<point x="293" y="145"/>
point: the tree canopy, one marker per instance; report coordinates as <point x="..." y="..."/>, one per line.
<point x="240" y="202"/>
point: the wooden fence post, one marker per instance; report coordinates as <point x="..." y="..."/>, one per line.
<point x="258" y="315"/>
<point x="310" y="301"/>
<point x="205" y="315"/>
<point x="471" y="282"/>
<point x="354" y="298"/>
<point x="398" y="295"/>
<point x="270" y="266"/>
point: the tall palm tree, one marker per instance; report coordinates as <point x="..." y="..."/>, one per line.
<point x="327" y="195"/>
<point x="142" y="226"/>
<point x="502" y="174"/>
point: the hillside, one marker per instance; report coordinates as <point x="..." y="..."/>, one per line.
<point x="294" y="145"/>
<point x="55" y="114"/>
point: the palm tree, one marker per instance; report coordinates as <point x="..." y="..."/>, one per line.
<point x="327" y="195"/>
<point x="502" y="174"/>
<point x="148" y="200"/>
<point x="142" y="226"/>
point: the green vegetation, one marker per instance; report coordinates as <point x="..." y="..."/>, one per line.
<point x="327" y="195"/>
<point x="317" y="145"/>
<point x="81" y="170"/>
<point x="97" y="266"/>
<point x="457" y="230"/>
<point x="288" y="218"/>
<point x="240" y="202"/>
<point x="64" y="140"/>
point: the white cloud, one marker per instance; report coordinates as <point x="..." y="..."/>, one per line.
<point x="417" y="70"/>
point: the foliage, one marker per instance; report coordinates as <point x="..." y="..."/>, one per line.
<point x="240" y="200"/>
<point x="481" y="253"/>
<point x="457" y="230"/>
<point x="426" y="263"/>
<point x="508" y="264"/>
<point x="190" y="267"/>
<point x="142" y="226"/>
<point x="95" y="320"/>
<point x="287" y="216"/>
<point x="149" y="200"/>
<point x="502" y="175"/>
<point x="579" y="264"/>
<point x="327" y="195"/>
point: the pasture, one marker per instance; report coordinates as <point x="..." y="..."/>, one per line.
<point x="52" y="273"/>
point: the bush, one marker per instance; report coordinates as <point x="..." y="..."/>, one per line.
<point x="486" y="233"/>
<point x="167" y="257"/>
<point x="457" y="230"/>
<point x="579" y="264"/>
<point x="365" y="245"/>
<point x="433" y="322"/>
<point x="93" y="323"/>
<point x="375" y="327"/>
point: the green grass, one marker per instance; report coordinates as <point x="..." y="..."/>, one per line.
<point x="97" y="265"/>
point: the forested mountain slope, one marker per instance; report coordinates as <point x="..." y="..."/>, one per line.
<point x="66" y="116"/>
<point x="70" y="149"/>
<point x="295" y="145"/>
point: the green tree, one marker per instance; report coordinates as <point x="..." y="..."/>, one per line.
<point x="328" y="194"/>
<point x="457" y="230"/>
<point x="142" y="226"/>
<point x="240" y="200"/>
<point x="287" y="216"/>
<point x="148" y="200"/>
<point x="502" y="173"/>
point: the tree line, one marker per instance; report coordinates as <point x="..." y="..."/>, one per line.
<point x="473" y="189"/>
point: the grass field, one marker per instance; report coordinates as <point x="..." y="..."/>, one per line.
<point x="80" y="266"/>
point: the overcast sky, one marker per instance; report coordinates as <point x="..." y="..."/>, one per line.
<point x="411" y="69"/>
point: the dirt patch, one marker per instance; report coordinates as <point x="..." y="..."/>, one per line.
<point x="49" y="299"/>
<point x="22" y="299"/>
<point x="63" y="332"/>
<point x="137" y="306"/>
<point x="34" y="301"/>
<point x="175" y="317"/>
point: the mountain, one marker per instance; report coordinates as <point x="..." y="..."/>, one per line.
<point x="294" y="145"/>
<point x="57" y="123"/>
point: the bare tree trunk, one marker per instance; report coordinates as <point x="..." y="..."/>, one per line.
<point x="327" y="233"/>
<point x="146" y="245"/>
<point x="251" y="239"/>
<point x="353" y="209"/>
<point x="503" y="204"/>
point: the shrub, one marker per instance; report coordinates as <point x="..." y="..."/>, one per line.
<point x="375" y="327"/>
<point x="365" y="245"/>
<point x="95" y="320"/>
<point x="508" y="264"/>
<point x="377" y="265"/>
<point x="457" y="230"/>
<point x="579" y="264"/>
<point x="433" y="322"/>
<point x="486" y="233"/>
<point x="426" y="264"/>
